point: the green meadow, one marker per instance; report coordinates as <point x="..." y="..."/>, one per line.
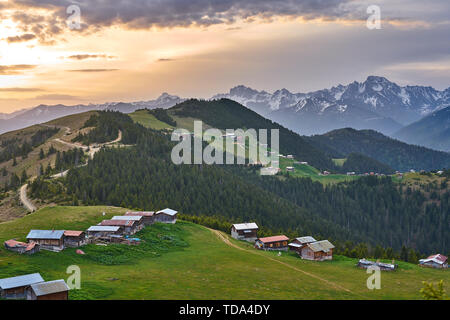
<point x="307" y="171"/>
<point x="148" y="120"/>
<point x="189" y="261"/>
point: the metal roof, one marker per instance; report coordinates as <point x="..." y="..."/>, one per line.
<point x="244" y="226"/>
<point x="49" y="287"/>
<point x="295" y="245"/>
<point x="72" y="233"/>
<point x="116" y="223"/>
<point x="45" y="234"/>
<point x="274" y="239"/>
<point x="141" y="213"/>
<point x="168" y="211"/>
<point x="437" y="258"/>
<point x="127" y="218"/>
<point x="20" y="281"/>
<point x="104" y="228"/>
<point x="323" y="245"/>
<point x="306" y="239"/>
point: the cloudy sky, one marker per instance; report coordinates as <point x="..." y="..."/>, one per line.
<point x="92" y="51"/>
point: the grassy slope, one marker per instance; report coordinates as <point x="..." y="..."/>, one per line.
<point x="307" y="171"/>
<point x="207" y="268"/>
<point x="148" y="120"/>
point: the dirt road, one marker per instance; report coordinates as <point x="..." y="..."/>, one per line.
<point x="24" y="199"/>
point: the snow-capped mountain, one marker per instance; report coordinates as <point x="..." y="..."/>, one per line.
<point x="376" y="103"/>
<point x="44" y="113"/>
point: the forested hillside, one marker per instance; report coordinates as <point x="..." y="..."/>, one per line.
<point x="227" y="114"/>
<point x="372" y="210"/>
<point x="396" y="154"/>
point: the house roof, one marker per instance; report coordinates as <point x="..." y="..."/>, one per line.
<point x="13" y="243"/>
<point x="274" y="239"/>
<point x="141" y="213"/>
<point x="104" y="228"/>
<point x="20" y="281"/>
<point x="295" y="245"/>
<point x="45" y="234"/>
<point x="168" y="211"/>
<point x="245" y="226"/>
<point x="304" y="240"/>
<point x="17" y="244"/>
<point x="115" y="223"/>
<point x="438" y="258"/>
<point x="323" y="245"/>
<point x="127" y="218"/>
<point x="49" y="287"/>
<point x="71" y="233"/>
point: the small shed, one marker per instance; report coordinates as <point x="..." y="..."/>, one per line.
<point x="50" y="290"/>
<point x="290" y="169"/>
<point x="318" y="251"/>
<point x="437" y="261"/>
<point x="365" y="264"/>
<point x="245" y="231"/>
<point x="147" y="216"/>
<point x="16" y="287"/>
<point x="128" y="227"/>
<point x="166" y="216"/>
<point x="103" y="231"/>
<point x="278" y="243"/>
<point x="300" y="242"/>
<point x="52" y="240"/>
<point x="21" y="247"/>
<point x="74" y="239"/>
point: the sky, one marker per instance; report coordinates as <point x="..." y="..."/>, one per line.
<point x="95" y="51"/>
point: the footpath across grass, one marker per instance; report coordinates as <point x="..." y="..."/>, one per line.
<point x="189" y="261"/>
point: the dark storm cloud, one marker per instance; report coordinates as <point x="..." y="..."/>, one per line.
<point x="141" y="14"/>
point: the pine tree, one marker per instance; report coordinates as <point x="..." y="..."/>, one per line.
<point x="41" y="154"/>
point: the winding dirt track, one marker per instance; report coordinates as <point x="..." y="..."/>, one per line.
<point x="24" y="199"/>
<point x="329" y="283"/>
<point x="26" y="202"/>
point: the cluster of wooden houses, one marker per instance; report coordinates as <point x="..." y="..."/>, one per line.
<point x="33" y="287"/>
<point x="116" y="230"/>
<point x="306" y="247"/>
<point x="309" y="248"/>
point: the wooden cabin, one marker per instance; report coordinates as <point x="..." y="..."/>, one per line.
<point x="148" y="217"/>
<point x="166" y="216"/>
<point x="103" y="231"/>
<point x="245" y="231"/>
<point x="129" y="227"/>
<point x="74" y="239"/>
<point x="138" y="221"/>
<point x="52" y="240"/>
<point x="299" y="243"/>
<point x="318" y="251"/>
<point x="437" y="261"/>
<point x="50" y="290"/>
<point x="21" y="247"/>
<point x="16" y="287"/>
<point x="279" y="243"/>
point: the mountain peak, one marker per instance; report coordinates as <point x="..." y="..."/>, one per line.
<point x="377" y="79"/>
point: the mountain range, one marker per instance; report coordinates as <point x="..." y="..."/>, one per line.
<point x="376" y="103"/>
<point x="433" y="131"/>
<point x="44" y="113"/>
